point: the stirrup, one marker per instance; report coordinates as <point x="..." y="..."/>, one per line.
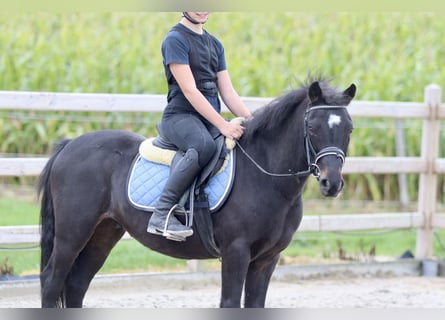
<point x="173" y="236"/>
<point x="167" y="235"/>
<point x="170" y="235"/>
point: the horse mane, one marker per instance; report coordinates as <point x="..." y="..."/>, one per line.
<point x="276" y="111"/>
<point x="281" y="109"/>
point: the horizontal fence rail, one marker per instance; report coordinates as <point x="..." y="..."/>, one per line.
<point x="428" y="165"/>
<point x="347" y="222"/>
<point x="14" y="167"/>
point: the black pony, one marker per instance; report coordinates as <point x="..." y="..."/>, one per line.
<point x="85" y="210"/>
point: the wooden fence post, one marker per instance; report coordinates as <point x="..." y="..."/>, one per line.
<point x="428" y="180"/>
<point x="400" y="152"/>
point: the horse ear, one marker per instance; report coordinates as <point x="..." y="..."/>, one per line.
<point x="350" y="92"/>
<point x="314" y="91"/>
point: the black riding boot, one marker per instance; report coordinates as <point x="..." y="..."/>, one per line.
<point x="163" y="221"/>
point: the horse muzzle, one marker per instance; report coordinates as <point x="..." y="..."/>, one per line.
<point x="331" y="184"/>
<point x="329" y="171"/>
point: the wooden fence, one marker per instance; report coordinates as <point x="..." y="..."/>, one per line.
<point x="428" y="165"/>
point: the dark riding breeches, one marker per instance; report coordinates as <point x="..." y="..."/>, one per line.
<point x="188" y="131"/>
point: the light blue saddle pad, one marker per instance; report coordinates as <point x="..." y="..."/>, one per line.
<point x="147" y="180"/>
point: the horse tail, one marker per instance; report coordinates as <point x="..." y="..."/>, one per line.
<point x="46" y="208"/>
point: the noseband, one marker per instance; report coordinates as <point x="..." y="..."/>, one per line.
<point x="311" y="153"/>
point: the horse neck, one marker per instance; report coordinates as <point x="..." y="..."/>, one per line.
<point x="280" y="149"/>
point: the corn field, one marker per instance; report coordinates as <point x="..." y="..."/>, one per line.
<point x="389" y="56"/>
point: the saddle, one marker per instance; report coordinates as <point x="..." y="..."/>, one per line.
<point x="159" y="150"/>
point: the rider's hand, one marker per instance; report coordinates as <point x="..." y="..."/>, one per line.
<point x="232" y="130"/>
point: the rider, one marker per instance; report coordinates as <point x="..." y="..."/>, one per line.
<point x="195" y="68"/>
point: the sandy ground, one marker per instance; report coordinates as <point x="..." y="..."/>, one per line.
<point x="356" y="293"/>
<point x="202" y="290"/>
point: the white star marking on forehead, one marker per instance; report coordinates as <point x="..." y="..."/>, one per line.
<point x="334" y="120"/>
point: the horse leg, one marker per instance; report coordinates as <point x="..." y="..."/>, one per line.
<point x="70" y="238"/>
<point x="55" y="272"/>
<point x="52" y="279"/>
<point x="235" y="262"/>
<point x="90" y="260"/>
<point x="257" y="281"/>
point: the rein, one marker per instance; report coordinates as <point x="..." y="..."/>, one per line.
<point x="290" y="174"/>
<point x="310" y="152"/>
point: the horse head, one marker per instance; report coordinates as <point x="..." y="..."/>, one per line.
<point x="327" y="131"/>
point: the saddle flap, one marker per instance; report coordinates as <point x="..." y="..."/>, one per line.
<point x="215" y="163"/>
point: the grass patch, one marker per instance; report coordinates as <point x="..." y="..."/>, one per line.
<point x="354" y="245"/>
<point x="24" y="261"/>
<point x="14" y="212"/>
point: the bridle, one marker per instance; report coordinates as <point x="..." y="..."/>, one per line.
<point x="313" y="157"/>
<point x="310" y="150"/>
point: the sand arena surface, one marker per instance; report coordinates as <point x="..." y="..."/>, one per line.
<point x="290" y="288"/>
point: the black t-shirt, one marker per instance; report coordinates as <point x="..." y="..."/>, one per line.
<point x="204" y="53"/>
